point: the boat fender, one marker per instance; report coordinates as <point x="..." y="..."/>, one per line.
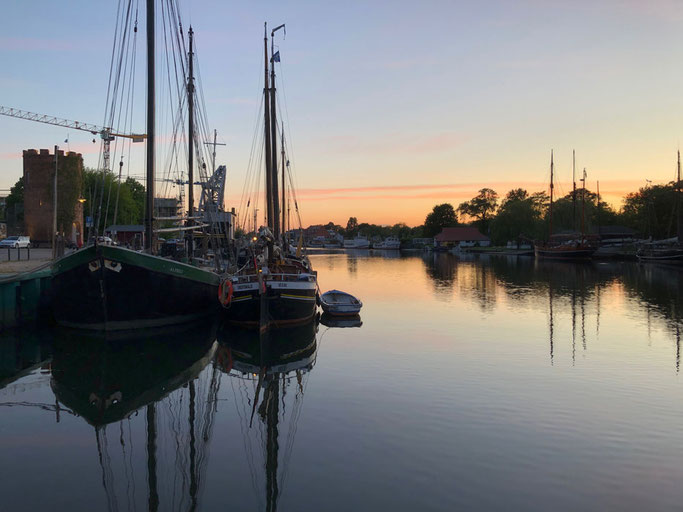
<point x="225" y="293"/>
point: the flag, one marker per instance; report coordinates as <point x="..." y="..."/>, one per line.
<point x="276" y="56"/>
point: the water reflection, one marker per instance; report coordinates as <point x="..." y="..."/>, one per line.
<point x="566" y="288"/>
<point x="268" y="374"/>
<point x="22" y="352"/>
<point x="110" y="379"/>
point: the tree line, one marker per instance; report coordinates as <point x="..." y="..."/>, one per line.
<point x="652" y="211"/>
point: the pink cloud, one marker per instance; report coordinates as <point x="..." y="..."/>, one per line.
<point x="394" y="143"/>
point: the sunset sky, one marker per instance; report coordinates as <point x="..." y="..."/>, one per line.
<point x="394" y="106"/>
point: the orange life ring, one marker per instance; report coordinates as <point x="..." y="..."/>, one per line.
<point x="225" y="292"/>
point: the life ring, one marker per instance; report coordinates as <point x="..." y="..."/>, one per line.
<point x="225" y="293"/>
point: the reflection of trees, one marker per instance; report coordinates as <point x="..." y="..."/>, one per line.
<point x="660" y="287"/>
<point x="441" y="269"/>
<point x="528" y="283"/>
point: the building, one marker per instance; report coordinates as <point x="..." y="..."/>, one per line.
<point x="452" y="238"/>
<point x="39" y="174"/>
<point x="130" y="235"/>
<point x="166" y="207"/>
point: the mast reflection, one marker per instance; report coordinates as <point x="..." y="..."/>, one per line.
<point x="265" y="369"/>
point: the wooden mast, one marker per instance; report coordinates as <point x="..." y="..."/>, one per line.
<point x="190" y="144"/>
<point x="574" y="190"/>
<point x="679" y="229"/>
<point x="282" y="157"/>
<point x="550" y="232"/>
<point x="273" y="137"/>
<point x="149" y="210"/>
<point x="267" y="143"/>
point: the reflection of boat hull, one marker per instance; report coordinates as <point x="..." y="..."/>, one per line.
<point x="287" y="303"/>
<point x="112" y="288"/>
<point x="340" y="321"/>
<point x="105" y="378"/>
<point x="564" y="253"/>
<point x="278" y="350"/>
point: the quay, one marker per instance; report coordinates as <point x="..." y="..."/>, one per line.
<point x="23" y="284"/>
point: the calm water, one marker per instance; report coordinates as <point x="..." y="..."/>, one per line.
<point x="478" y="383"/>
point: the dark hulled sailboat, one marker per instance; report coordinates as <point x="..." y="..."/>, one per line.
<point x="275" y="286"/>
<point x="568" y="248"/>
<point x="110" y="288"/>
<point x="667" y="251"/>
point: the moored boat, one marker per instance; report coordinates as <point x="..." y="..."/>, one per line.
<point x="272" y="286"/>
<point x="338" y="303"/>
<point x="105" y="287"/>
<point x="565" y="247"/>
<point x="390" y="243"/>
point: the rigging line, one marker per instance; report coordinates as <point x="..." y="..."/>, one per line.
<point x="246" y="188"/>
<point x="283" y="89"/>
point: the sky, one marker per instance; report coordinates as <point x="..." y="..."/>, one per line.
<point x="393" y="106"/>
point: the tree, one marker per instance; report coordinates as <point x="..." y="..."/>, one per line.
<point x="652" y="211"/>
<point x="351" y="226"/>
<point x="16" y="196"/>
<point x="441" y="216"/>
<point x="519" y="216"/>
<point x="481" y="207"/>
<point x="102" y="186"/>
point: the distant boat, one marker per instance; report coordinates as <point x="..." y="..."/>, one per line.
<point x="360" y="242"/>
<point x="332" y="244"/>
<point x="568" y="247"/>
<point x="670" y="250"/>
<point x="335" y="302"/>
<point x="390" y="243"/>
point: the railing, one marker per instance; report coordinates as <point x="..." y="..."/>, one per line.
<point x="251" y="278"/>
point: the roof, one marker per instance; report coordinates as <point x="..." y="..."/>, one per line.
<point x="129" y="228"/>
<point x="460" y="235"/>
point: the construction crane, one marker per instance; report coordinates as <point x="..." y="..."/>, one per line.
<point x="106" y="134"/>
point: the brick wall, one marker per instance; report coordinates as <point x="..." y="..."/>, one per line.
<point x="39" y="168"/>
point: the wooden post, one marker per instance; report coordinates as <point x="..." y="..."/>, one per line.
<point x="54" y="208"/>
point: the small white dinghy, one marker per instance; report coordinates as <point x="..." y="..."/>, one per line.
<point x="339" y="303"/>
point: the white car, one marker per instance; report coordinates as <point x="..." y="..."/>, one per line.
<point x="16" y="242"/>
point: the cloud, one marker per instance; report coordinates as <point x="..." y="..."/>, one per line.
<point x="393" y="143"/>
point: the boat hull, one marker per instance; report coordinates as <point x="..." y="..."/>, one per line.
<point x="284" y="303"/>
<point x="665" y="256"/>
<point x="111" y="288"/>
<point x="561" y="253"/>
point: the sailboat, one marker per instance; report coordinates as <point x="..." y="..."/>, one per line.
<point x="571" y="249"/>
<point x="272" y="285"/>
<point x="105" y="287"/>
<point x="668" y="251"/>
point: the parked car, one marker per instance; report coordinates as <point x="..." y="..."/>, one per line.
<point x="16" y="241"/>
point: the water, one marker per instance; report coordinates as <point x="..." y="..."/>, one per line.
<point x="473" y="383"/>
